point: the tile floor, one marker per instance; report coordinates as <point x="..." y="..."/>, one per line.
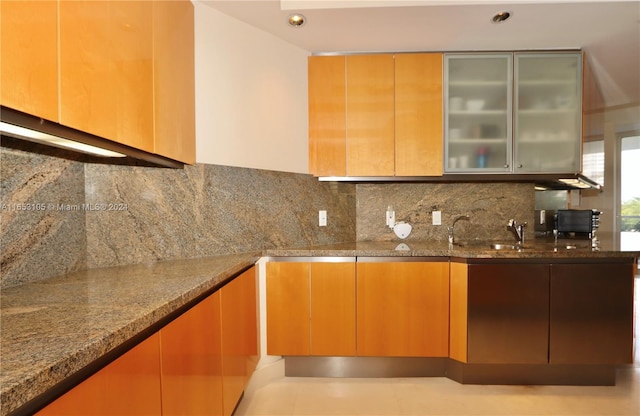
<point x="269" y="393"/>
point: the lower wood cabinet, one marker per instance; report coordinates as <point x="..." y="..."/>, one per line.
<point x="549" y="312"/>
<point x="192" y="361"/>
<point x="288" y="313"/>
<point x="130" y="385"/>
<point x="239" y="324"/>
<point x="311" y="308"/>
<point x="366" y="308"/>
<point x="403" y="308"/>
<point x="198" y="364"/>
<point x="333" y="309"/>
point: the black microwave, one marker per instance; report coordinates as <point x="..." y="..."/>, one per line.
<point x="577" y="222"/>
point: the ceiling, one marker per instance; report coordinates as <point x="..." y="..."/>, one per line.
<point x="608" y="31"/>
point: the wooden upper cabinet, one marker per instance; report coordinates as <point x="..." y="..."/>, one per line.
<point x="403" y="309"/>
<point x="370" y="115"/>
<point x="418" y="114"/>
<point x="29" y="57"/>
<point x="87" y="82"/>
<point x="376" y="115"/>
<point x="106" y="78"/>
<point x="133" y="63"/>
<point x="327" y="116"/>
<point x="174" y="80"/>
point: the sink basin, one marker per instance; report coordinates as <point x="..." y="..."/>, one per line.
<point x="500" y="246"/>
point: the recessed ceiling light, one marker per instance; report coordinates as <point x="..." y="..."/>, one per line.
<point x="297" y="20"/>
<point x="501" y="17"/>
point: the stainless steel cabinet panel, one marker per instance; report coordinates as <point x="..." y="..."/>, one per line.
<point x="591" y="314"/>
<point x="508" y="313"/>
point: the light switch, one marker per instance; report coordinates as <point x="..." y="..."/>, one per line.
<point x="437" y="217"/>
<point x="322" y="218"/>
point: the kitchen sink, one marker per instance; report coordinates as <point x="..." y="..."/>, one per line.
<point x="500" y="246"/>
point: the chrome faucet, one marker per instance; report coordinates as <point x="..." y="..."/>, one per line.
<point x="450" y="229"/>
<point x="517" y="230"/>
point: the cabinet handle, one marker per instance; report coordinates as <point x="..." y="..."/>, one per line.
<point x="506" y="166"/>
<point x="520" y="166"/>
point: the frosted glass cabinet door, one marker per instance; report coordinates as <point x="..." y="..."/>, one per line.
<point x="548" y="112"/>
<point x="478" y="129"/>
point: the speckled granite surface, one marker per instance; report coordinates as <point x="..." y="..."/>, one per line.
<point x="61" y="215"/>
<point x="52" y="328"/>
<point x="35" y="191"/>
<point x="489" y="206"/>
<point x="208" y="210"/>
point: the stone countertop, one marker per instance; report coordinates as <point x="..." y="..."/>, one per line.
<point x="53" y="328"/>
<point x="533" y="249"/>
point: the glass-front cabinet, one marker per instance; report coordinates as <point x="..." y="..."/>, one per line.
<point x="548" y="118"/>
<point x="478" y="120"/>
<point x="513" y="112"/>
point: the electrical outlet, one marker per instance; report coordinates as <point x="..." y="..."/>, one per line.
<point x="436" y="217"/>
<point x="322" y="218"/>
<point x="391" y="217"/>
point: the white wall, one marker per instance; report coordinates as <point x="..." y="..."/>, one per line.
<point x="251" y="96"/>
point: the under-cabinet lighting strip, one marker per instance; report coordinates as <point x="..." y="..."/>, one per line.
<point x="56" y="141"/>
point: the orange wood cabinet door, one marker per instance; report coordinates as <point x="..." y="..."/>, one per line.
<point x="458" y="295"/>
<point x="29" y="57"/>
<point x="239" y="336"/>
<point x="128" y="386"/>
<point x="327" y="116"/>
<point x="333" y="309"/>
<point x="418" y="114"/>
<point x="288" y="308"/>
<point x="192" y="361"/>
<point x="403" y="309"/>
<point x="370" y="115"/>
<point x="311" y="308"/>
<point x="106" y="73"/>
<point x="174" y="80"/>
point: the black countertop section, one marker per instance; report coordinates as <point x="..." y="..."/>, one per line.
<point x="533" y="249"/>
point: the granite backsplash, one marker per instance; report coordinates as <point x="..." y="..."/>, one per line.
<point x="61" y="215"/>
<point x="207" y="210"/>
<point x="489" y="206"/>
<point x="39" y="238"/>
